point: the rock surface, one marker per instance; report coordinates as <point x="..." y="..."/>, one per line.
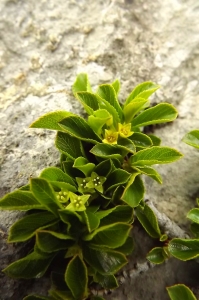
<point x="43" y="45"/>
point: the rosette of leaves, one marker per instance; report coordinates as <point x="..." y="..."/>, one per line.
<point x="80" y="215"/>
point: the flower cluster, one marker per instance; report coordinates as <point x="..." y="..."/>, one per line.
<point x="111" y="136"/>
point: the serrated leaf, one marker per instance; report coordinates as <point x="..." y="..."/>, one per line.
<point x="143" y="90"/>
<point x="116" y="86"/>
<point x="44" y="194"/>
<point x="107" y="151"/>
<point x="76" y="277"/>
<point x="50" y="241"/>
<point x="141" y="140"/>
<point x="106" y="262"/>
<point x="83" y="165"/>
<point x="69" y="145"/>
<point x="89" y="101"/>
<point x="134" y="191"/>
<point x="111" y="236"/>
<point x="156" y="255"/>
<point x="193" y="215"/>
<point x="51" y="120"/>
<point x="133" y="108"/>
<point x="106" y="281"/>
<point x="107" y="92"/>
<point x="155" y="155"/>
<point x="192" y="138"/>
<point x="160" y="113"/>
<point x="117" y="177"/>
<point x="33" y="265"/>
<point x="19" y="200"/>
<point x="148" y="220"/>
<point x="184" y="249"/>
<point x="180" y="292"/>
<point x="25" y="228"/>
<point x="79" y="128"/>
<point x="81" y="84"/>
<point x="149" y="171"/>
<point x="56" y="174"/>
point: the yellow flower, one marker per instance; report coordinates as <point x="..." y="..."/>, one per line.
<point x="125" y="130"/>
<point x="110" y="137"/>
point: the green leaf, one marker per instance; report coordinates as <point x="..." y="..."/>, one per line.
<point x="143" y="90"/>
<point x="79" y="128"/>
<point x="91" y="220"/>
<point x="25" y="228"/>
<point x="192" y="138"/>
<point x="120" y="213"/>
<point x="50" y="241"/>
<point x="84" y="166"/>
<point x="106" y="281"/>
<point x="155" y="140"/>
<point x="180" y="292"/>
<point x="126" y="145"/>
<point x="184" y="249"/>
<point x="117" y="177"/>
<point x="133" y="108"/>
<point x="100" y="118"/>
<point x="69" y="145"/>
<point x="81" y="84"/>
<point x="33" y="265"/>
<point x="107" y="151"/>
<point x="103" y="104"/>
<point x="193" y="215"/>
<point x="134" y="191"/>
<point x="106" y="262"/>
<point x="155" y="155"/>
<point x="141" y="140"/>
<point x="44" y="193"/>
<point x="156" y="255"/>
<point x="195" y="229"/>
<point x="36" y="297"/>
<point x="89" y="101"/>
<point x="56" y="174"/>
<point x="51" y="120"/>
<point x="149" y="171"/>
<point x="104" y="168"/>
<point x="76" y="277"/>
<point x="148" y="220"/>
<point x="57" y="185"/>
<point x="160" y="113"/>
<point x="116" y="86"/>
<point x="107" y="92"/>
<point x="111" y="236"/>
<point x="19" y="200"/>
<point x="61" y="295"/>
<point x="127" y="247"/>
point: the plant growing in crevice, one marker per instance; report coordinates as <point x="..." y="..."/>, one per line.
<point x="81" y="214"/>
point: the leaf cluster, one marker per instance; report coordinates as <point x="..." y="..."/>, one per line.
<point x="80" y="215"/>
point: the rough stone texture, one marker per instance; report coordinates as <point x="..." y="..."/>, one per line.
<point x="44" y="44"/>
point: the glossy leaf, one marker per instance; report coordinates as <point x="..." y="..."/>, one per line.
<point x="143" y="90"/>
<point x="106" y="281"/>
<point x="56" y="174"/>
<point x="51" y="120"/>
<point x="149" y="171"/>
<point x="79" y="128"/>
<point x="117" y="177"/>
<point x="192" y="138"/>
<point x="25" y="228"/>
<point x="156" y="255"/>
<point x="81" y="84"/>
<point x="89" y="101"/>
<point x="19" y="200"/>
<point x="50" y="241"/>
<point x="76" y="277"/>
<point x="107" y="151"/>
<point x="104" y="168"/>
<point x="107" y="92"/>
<point x="193" y="215"/>
<point x="128" y="247"/>
<point x="120" y="213"/>
<point x="184" y="249"/>
<point x="155" y="155"/>
<point x="126" y="145"/>
<point x="141" y="140"/>
<point x="105" y="261"/>
<point x="111" y="236"/>
<point x="91" y="220"/>
<point x="134" y="191"/>
<point x="160" y="113"/>
<point x="180" y="292"/>
<point x="33" y="265"/>
<point x="44" y="193"/>
<point x="68" y="145"/>
<point x="131" y="109"/>
<point x="83" y="165"/>
<point x="148" y="220"/>
<point x="155" y="140"/>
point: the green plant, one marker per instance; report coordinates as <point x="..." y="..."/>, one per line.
<point x="81" y="214"/>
